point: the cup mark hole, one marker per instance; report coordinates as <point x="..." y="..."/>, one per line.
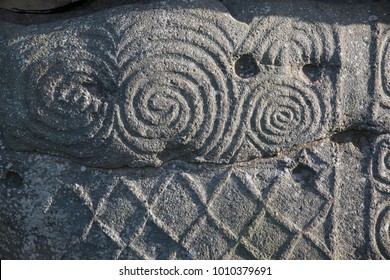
<point x="246" y="67"/>
<point x="13" y="179"/>
<point x="304" y="175"/>
<point x="312" y="72"/>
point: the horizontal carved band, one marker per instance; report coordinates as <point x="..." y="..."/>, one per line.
<point x="140" y="88"/>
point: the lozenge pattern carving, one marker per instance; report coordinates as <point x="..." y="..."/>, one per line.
<point x="184" y="213"/>
<point x="174" y="87"/>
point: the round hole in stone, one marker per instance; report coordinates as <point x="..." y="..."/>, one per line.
<point x="13" y="179"/>
<point x="313" y="72"/>
<point x="246" y="66"/>
<point x="304" y="175"/>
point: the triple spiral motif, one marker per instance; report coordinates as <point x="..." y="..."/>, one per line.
<point x="134" y="93"/>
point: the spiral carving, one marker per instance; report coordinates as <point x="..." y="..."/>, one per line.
<point x="66" y="105"/>
<point x="176" y="82"/>
<point x="284" y="112"/>
<point x="381" y="163"/>
<point x="127" y="92"/>
<point x="133" y="92"/>
<point x="382" y="234"/>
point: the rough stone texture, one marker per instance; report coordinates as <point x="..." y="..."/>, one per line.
<point x="197" y="130"/>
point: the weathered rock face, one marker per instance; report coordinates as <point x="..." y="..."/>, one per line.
<point x="173" y="130"/>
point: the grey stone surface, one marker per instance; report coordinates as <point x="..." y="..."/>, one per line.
<point x="197" y="130"/>
<point x="34" y="5"/>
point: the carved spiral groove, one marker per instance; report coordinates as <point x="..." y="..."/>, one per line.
<point x="175" y="84"/>
<point x="383" y="232"/>
<point x="140" y="88"/>
<point x="381" y="163"/>
<point x="69" y="99"/>
<point x="284" y="112"/>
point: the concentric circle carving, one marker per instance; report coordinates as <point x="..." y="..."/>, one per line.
<point x="139" y="93"/>
<point x="381" y="163"/>
<point x="67" y="101"/>
<point x="382" y="231"/>
<point x="290" y="42"/>
<point x="141" y="88"/>
<point x="284" y="112"/>
<point x="175" y="86"/>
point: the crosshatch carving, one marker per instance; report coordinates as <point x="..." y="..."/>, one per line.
<point x="179" y="132"/>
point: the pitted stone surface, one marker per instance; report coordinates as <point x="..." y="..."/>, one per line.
<point x="173" y="130"/>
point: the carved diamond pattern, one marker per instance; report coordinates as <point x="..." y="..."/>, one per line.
<point x="122" y="212"/>
<point x="234" y="206"/>
<point x="228" y="217"/>
<point x="176" y="207"/>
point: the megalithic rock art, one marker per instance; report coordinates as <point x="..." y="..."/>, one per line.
<point x="173" y="130"/>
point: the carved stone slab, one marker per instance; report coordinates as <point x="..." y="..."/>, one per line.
<point x="173" y="130"/>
